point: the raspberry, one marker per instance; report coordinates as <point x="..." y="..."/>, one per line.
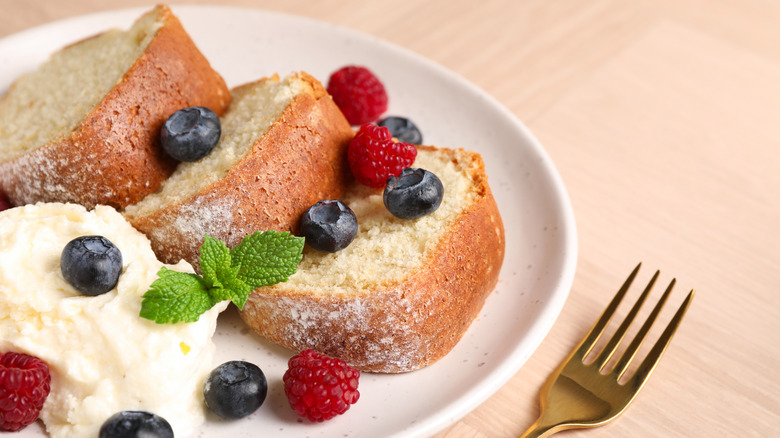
<point x="319" y="387"/>
<point x="374" y="156"/>
<point x="358" y="93"/>
<point x="4" y="204"/>
<point x="24" y="385"/>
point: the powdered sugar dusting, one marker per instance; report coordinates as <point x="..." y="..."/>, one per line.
<point x="183" y="228"/>
<point x="45" y="176"/>
<point x="211" y="215"/>
<point x="352" y="323"/>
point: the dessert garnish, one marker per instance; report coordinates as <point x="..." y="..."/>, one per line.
<point x="134" y="424"/>
<point x="25" y="382"/>
<point x="91" y="264"/>
<point x="358" y="93"/>
<point x="373" y="155"/>
<point x="235" y="389"/>
<point x="402" y="128"/>
<point x="261" y="259"/>
<point x="191" y="133"/>
<point x="413" y="194"/>
<point x="320" y="387"/>
<point x="329" y="226"/>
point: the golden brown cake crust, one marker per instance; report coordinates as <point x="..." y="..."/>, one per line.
<point x="113" y="157"/>
<point x="300" y="160"/>
<point x="401" y="327"/>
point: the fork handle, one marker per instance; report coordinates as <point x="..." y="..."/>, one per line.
<point x="540" y="430"/>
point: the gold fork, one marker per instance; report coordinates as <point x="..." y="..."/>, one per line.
<point x="582" y="392"/>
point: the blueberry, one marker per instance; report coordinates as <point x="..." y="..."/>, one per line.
<point x="190" y="133"/>
<point x="403" y="129"/>
<point x="329" y="226"/>
<point x="235" y="389"/>
<point x="91" y="264"/>
<point x="413" y="194"/>
<point x="135" y="424"/>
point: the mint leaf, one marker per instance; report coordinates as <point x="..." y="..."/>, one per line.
<point x="233" y="289"/>
<point x="266" y="258"/>
<point x="176" y="297"/>
<point x="214" y="258"/>
<point x="261" y="259"/>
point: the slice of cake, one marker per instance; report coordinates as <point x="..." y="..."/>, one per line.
<point x="283" y="148"/>
<point x="403" y="293"/>
<point x="84" y="126"/>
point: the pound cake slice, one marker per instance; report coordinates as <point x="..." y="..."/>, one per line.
<point x="403" y="293"/>
<point x="84" y="126"/>
<point x="283" y="148"/>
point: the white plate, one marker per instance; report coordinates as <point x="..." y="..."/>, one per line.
<point x="243" y="45"/>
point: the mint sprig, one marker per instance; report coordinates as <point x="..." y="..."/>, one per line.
<point x="261" y="259"/>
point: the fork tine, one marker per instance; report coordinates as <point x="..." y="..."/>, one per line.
<point x="628" y="355"/>
<point x="654" y="356"/>
<point x="617" y="337"/>
<point x="587" y="344"/>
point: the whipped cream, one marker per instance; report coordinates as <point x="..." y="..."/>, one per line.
<point x="103" y="357"/>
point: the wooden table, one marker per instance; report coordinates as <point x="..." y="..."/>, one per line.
<point x="663" y="119"/>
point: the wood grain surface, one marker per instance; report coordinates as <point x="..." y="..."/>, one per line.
<point x="663" y="119"/>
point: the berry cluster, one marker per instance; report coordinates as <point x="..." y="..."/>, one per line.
<point x="380" y="155"/>
<point x="318" y="387"/>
